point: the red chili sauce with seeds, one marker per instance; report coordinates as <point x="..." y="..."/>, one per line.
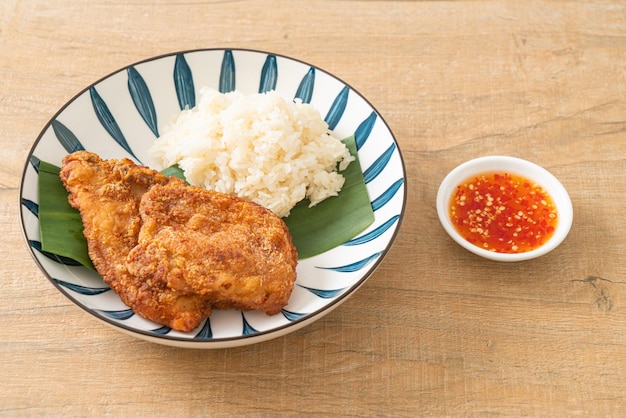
<point x="503" y="212"/>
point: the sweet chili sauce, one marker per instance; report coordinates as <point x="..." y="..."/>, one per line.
<point x="503" y="212"/>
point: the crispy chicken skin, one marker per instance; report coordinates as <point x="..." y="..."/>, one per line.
<point x="173" y="252"/>
<point x="235" y="252"/>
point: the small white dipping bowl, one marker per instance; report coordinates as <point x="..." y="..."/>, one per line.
<point x="511" y="165"/>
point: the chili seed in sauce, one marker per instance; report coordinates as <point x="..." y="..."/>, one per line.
<point x="503" y="212"/>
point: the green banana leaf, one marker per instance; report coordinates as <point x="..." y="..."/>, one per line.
<point x="60" y="225"/>
<point x="314" y="230"/>
<point x="174" y="171"/>
<point x="335" y="220"/>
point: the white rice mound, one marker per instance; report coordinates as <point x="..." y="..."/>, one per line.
<point x="259" y="147"/>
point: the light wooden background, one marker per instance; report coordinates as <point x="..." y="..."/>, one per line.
<point x="435" y="331"/>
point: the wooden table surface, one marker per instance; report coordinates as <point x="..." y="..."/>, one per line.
<point x="435" y="331"/>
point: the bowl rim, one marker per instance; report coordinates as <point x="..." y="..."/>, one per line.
<point x="514" y="165"/>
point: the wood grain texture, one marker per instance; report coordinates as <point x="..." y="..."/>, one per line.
<point x="435" y="331"/>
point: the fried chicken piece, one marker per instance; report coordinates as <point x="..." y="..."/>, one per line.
<point x="107" y="194"/>
<point x="173" y="252"/>
<point x="237" y="253"/>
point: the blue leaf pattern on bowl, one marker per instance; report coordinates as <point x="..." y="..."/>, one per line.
<point x="206" y="331"/>
<point x="375" y="233"/>
<point x="66" y="137"/>
<point x="269" y="75"/>
<point x="247" y="328"/>
<point x="162" y="330"/>
<point x="108" y="121"/>
<point x="337" y="108"/>
<point x="386" y="196"/>
<point x="227" y="74"/>
<point x="34" y="161"/>
<point x="292" y="316"/>
<point x="323" y="293"/>
<point x="183" y="82"/>
<point x="83" y="290"/>
<point x="31" y="206"/>
<point x="305" y="89"/>
<point x="364" y="130"/>
<point x="379" y="165"/>
<point x="352" y="267"/>
<point x="142" y="99"/>
<point x="120" y="315"/>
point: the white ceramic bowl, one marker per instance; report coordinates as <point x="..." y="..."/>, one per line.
<point x="510" y="165"/>
<point x="120" y="116"/>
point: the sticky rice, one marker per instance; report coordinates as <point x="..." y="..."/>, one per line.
<point x="260" y="147"/>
